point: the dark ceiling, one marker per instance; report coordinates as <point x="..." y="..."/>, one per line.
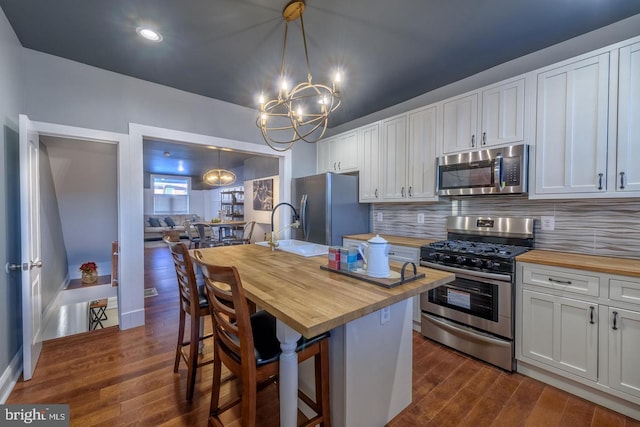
<point x="389" y="50"/>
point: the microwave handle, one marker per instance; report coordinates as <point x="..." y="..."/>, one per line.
<point x="497" y="172"/>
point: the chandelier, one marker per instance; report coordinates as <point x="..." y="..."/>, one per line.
<point x="219" y="177"/>
<point x="300" y="112"/>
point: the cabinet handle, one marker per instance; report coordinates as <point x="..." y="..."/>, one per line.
<point x="599" y="181"/>
<point x="615" y="320"/>
<point x="591" y="311"/>
<point x="338" y="165"/>
<point x="484" y="138"/>
<point x="392" y="253"/>
<point x="410" y="192"/>
<point x="562" y="282"/>
<point x="622" y="180"/>
<point x="473" y="140"/>
<point x="402" y="192"/>
<point x="376" y="193"/>
<point x="334" y="166"/>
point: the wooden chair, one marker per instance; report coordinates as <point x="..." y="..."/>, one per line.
<point x="192" y="234"/>
<point x="194" y="303"/>
<point x="245" y="239"/>
<point x="249" y="348"/>
<point x="206" y="238"/>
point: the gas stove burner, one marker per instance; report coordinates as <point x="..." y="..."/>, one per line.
<point x="479" y="248"/>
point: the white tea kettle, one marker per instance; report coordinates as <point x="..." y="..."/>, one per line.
<point x="375" y="253"/>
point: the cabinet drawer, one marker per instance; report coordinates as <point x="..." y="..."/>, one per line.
<point x="624" y="290"/>
<point x="404" y="254"/>
<point x="561" y="279"/>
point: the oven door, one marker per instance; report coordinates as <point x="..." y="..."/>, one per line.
<point x="466" y="178"/>
<point x="480" y="302"/>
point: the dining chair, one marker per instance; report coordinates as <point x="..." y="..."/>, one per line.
<point x="192" y="234"/>
<point x="194" y="303"/>
<point x="245" y="238"/>
<point x="206" y="239"/>
<point x="249" y="348"/>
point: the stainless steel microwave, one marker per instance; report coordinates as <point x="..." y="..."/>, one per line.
<point x="492" y="171"/>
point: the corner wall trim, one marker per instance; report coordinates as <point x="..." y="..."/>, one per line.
<point x="131" y="319"/>
<point x="10" y="376"/>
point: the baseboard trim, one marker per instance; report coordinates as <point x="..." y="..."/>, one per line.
<point x="132" y="319"/>
<point x="10" y="376"/>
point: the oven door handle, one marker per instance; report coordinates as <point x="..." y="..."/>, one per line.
<point x="461" y="330"/>
<point x="468" y="274"/>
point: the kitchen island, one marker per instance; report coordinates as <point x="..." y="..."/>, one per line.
<point x="370" y="330"/>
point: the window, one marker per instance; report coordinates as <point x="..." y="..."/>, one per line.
<point x="170" y="194"/>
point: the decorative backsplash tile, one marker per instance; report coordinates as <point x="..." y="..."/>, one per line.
<point x="609" y="227"/>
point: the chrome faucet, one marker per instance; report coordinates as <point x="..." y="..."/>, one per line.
<point x="273" y="241"/>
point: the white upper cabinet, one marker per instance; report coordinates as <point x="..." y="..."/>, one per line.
<point x="338" y="153"/>
<point x="369" y="146"/>
<point x="421" y="160"/>
<point x="502" y="114"/>
<point x="460" y="124"/>
<point x="571" y="128"/>
<point x="394" y="158"/>
<point x="627" y="169"/>
<point x="408" y="156"/>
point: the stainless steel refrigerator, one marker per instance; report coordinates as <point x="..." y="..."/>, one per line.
<point x="328" y="208"/>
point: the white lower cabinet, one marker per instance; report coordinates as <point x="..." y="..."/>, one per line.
<point x="624" y="350"/>
<point x="561" y="332"/>
<point x="581" y="327"/>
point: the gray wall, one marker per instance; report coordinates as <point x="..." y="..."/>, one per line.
<point x="66" y="92"/>
<point x="260" y="167"/>
<point x="10" y="106"/>
<point x="85" y="177"/>
<point x="55" y="269"/>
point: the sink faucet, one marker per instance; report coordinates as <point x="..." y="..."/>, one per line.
<point x="273" y="241"/>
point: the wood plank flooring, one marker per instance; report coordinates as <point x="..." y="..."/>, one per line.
<point x="124" y="378"/>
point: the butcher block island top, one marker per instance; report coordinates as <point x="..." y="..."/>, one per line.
<point x="308" y="299"/>
<point x="599" y="264"/>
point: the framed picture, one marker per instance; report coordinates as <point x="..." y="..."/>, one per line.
<point x="263" y="195"/>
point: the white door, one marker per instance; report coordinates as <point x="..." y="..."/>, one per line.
<point x="624" y="347"/>
<point x="628" y="167"/>
<point x="394" y="158"/>
<point x="460" y="124"/>
<point x="370" y="167"/>
<point x="503" y="114"/>
<point x="30" y="240"/>
<point x="421" y="160"/>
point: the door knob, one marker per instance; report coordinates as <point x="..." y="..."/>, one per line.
<point x="33" y="264"/>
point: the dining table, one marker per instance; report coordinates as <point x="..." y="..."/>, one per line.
<point x="370" y="326"/>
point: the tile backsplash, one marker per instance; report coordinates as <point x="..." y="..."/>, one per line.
<point x="609" y="227"/>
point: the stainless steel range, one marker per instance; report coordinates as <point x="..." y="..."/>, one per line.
<point x="475" y="313"/>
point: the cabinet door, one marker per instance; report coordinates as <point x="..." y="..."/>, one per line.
<point x="628" y="165"/>
<point x="421" y="160"/>
<point x="560" y="332"/>
<point x="370" y="163"/>
<point x="571" y="129"/>
<point x="503" y="114"/>
<point x="624" y="350"/>
<point x="322" y="156"/>
<point x="460" y="124"/>
<point x="343" y="152"/>
<point x="394" y="158"/>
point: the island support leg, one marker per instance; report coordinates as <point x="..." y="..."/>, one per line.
<point x="288" y="374"/>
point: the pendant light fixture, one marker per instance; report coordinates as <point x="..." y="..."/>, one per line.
<point x="219" y="177"/>
<point x="299" y="112"/>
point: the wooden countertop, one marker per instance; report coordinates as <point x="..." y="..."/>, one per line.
<point x="600" y="264"/>
<point x="411" y="242"/>
<point x="295" y="290"/>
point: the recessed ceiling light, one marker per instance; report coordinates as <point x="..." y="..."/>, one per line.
<point x="149" y="34"/>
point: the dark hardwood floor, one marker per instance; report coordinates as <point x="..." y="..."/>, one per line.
<point x="123" y="378"/>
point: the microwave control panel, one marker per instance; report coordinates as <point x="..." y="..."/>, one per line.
<point x="511" y="171"/>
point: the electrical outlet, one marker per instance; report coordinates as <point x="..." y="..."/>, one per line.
<point x="379" y="216"/>
<point x="385" y="315"/>
<point x="420" y="218"/>
<point x="548" y="223"/>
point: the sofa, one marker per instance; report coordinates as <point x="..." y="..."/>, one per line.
<point x="154" y="225"/>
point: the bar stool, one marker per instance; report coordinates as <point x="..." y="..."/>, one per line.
<point x="249" y="348"/>
<point x="194" y="303"/>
